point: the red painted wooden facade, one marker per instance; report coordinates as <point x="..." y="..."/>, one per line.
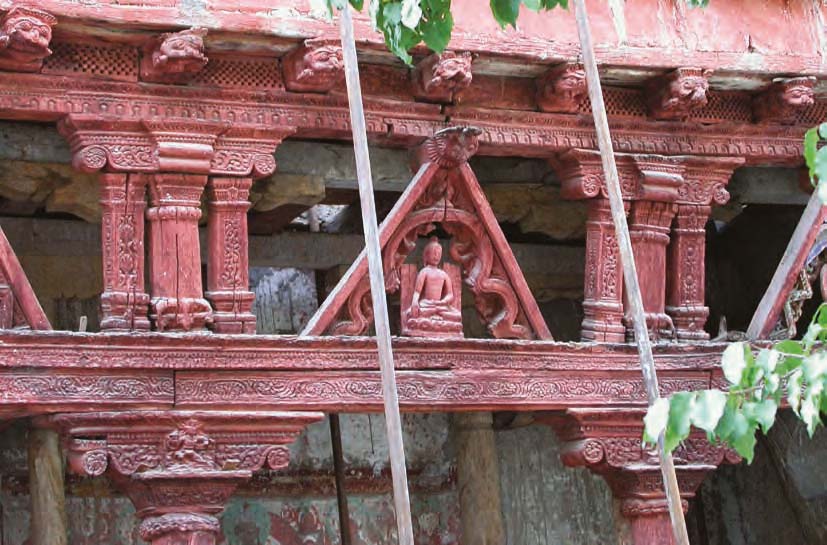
<point x="169" y="116"/>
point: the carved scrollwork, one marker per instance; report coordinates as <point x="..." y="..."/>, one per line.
<point x="95" y="462"/>
<point x="154" y="527"/>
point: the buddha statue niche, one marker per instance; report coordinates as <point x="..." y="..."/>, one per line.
<point x="431" y="297"/>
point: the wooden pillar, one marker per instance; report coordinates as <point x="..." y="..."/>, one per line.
<point x="704" y="185"/>
<point x="603" y="288"/>
<point x="650" y="221"/>
<point x="227" y="260"/>
<point x="178" y="302"/>
<point x="46" y="488"/>
<point x="478" y="479"/>
<point x="124" y="301"/>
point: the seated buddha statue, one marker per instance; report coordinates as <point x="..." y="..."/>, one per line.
<point x="434" y="309"/>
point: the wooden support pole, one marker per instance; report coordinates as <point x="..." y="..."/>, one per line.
<point x="393" y="420"/>
<point x="647" y="361"/>
<point x="339" y="472"/>
<point x="478" y="479"/>
<point x="48" y="523"/>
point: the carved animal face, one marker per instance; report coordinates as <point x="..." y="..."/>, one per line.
<point x="181" y="52"/>
<point x="453" y="146"/>
<point x="798" y="94"/>
<point x="324" y="61"/>
<point x="687" y="91"/>
<point x="452" y="69"/>
<point x="571" y="83"/>
<point x="28" y="34"/>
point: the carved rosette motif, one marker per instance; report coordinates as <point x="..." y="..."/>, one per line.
<point x="562" y="89"/>
<point x="124" y="301"/>
<point x="677" y="94"/>
<point x="440" y="76"/>
<point x="178" y="468"/>
<point x="316" y="66"/>
<point x="608" y="442"/>
<point x="784" y="100"/>
<point x="177" y="302"/>
<point x="25" y="35"/>
<point x="174" y="57"/>
<point x="227" y="262"/>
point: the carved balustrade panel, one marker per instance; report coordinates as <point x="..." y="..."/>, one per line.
<point x="178" y="468"/>
<point x="608" y="442"/>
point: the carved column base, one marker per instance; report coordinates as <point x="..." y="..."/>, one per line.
<point x="179" y="468"/>
<point x="689" y="322"/>
<point x="603" y="322"/>
<point x="123" y="311"/>
<point x="232" y="311"/>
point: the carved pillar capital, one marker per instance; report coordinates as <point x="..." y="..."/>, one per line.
<point x="25" y="35"/>
<point x="608" y="442"/>
<point x="316" y="66"/>
<point x="784" y="99"/>
<point x="248" y="151"/>
<point x="174" y="57"/>
<point x="440" y="76"/>
<point x="179" y="468"/>
<point x="562" y="89"/>
<point x="674" y="96"/>
<point x="101" y="143"/>
<point x="581" y="176"/>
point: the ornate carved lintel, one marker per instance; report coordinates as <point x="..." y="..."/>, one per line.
<point x="562" y="89"/>
<point x="609" y="443"/>
<point x="227" y="261"/>
<point x="175" y="256"/>
<point x="784" y="100"/>
<point x="174" y="57"/>
<point x="440" y="76"/>
<point x="179" y="468"/>
<point x="316" y="66"/>
<point x="25" y="35"/>
<point x="677" y="94"/>
<point x="124" y="301"/>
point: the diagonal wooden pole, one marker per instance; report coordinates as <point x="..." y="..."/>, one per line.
<point x="627" y="258"/>
<point x="377" y="281"/>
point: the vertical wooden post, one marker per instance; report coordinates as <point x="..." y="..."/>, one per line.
<point x="478" y="480"/>
<point x="393" y="420"/>
<point x="647" y="360"/>
<point x="48" y="503"/>
<point x="339" y="472"/>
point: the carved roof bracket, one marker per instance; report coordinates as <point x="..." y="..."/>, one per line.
<point x="443" y="191"/>
<point x="25" y="35"/>
<point x="175" y="57"/>
<point x="440" y="76"/>
<point x="784" y="100"/>
<point x="316" y="66"/>
<point x="562" y="89"/>
<point x="674" y="96"/>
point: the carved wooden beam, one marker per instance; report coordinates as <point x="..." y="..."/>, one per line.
<point x="608" y="443"/>
<point x="675" y="95"/>
<point x="179" y="468"/>
<point x="440" y="76"/>
<point x="316" y="66"/>
<point x="562" y="89"/>
<point x="784" y="100"/>
<point x="25" y="35"/>
<point x="174" y="57"/>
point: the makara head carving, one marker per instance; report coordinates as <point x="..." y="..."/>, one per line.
<point x="680" y="92"/>
<point x="25" y="35"/>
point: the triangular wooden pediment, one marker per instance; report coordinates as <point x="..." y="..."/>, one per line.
<point x="19" y="307"/>
<point x="446" y="192"/>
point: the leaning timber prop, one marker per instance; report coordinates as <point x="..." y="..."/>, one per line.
<point x="377" y="281"/>
<point x="627" y="259"/>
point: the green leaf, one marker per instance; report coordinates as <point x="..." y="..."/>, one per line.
<point x="810" y="413"/>
<point x="810" y="149"/>
<point x="822" y="130"/>
<point x="411" y="13"/>
<point x="820" y="165"/>
<point x="744" y="443"/>
<point x="794" y="389"/>
<point x="357" y="4"/>
<point x="506" y="12"/>
<point x="765" y="414"/>
<point x="533" y="5"/>
<point x="814" y="367"/>
<point x="767" y="360"/>
<point x="680" y="411"/>
<point x="708" y="409"/>
<point x="655" y="420"/>
<point x="727" y="423"/>
<point x="437" y="32"/>
<point x="733" y="362"/>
